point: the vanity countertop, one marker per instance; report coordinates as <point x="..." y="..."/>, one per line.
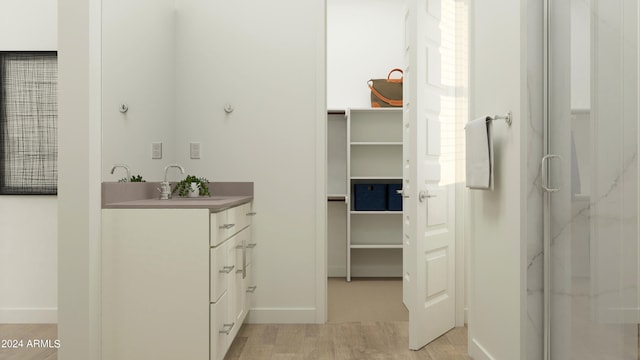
<point x="145" y="196"/>
<point x="215" y="203"/>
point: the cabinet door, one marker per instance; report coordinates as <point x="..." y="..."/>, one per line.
<point x="236" y="308"/>
<point x="155" y="284"/>
<point x="221" y="328"/>
<point x="249" y="282"/>
<point x="250" y="288"/>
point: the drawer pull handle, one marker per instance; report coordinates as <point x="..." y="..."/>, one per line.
<point x="238" y="246"/>
<point x="251" y="246"/>
<point x="227" y="269"/>
<point x="252" y="214"/>
<point x="251" y="289"/>
<point x="226" y="328"/>
<point x="239" y="271"/>
<point x="227" y="226"/>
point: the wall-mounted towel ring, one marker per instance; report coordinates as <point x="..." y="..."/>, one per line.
<point x="506" y="118"/>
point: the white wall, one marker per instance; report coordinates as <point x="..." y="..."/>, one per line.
<point x="28" y="25"/>
<point x="177" y="67"/>
<point x="267" y="61"/>
<point x="138" y="68"/>
<point x="28" y="224"/>
<point x="365" y="40"/>
<point x="499" y="221"/>
<point x="28" y="259"/>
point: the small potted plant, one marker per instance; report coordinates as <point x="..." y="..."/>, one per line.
<point x="133" y="178"/>
<point x="192" y="186"/>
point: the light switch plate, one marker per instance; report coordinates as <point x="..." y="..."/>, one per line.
<point x="156" y="150"/>
<point x="194" y="150"/>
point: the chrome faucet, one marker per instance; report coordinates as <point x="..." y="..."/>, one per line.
<point x="172" y="166"/>
<point x="125" y="167"/>
<point x="165" y="188"/>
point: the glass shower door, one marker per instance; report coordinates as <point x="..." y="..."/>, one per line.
<point x="592" y="178"/>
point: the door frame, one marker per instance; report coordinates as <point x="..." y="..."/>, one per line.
<point x="321" y="192"/>
<point x="321" y="241"/>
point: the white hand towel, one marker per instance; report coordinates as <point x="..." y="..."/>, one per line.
<point x="479" y="163"/>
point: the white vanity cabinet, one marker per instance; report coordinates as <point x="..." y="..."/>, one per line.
<point x="174" y="281"/>
<point x="228" y="302"/>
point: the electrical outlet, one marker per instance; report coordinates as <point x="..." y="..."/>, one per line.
<point x="156" y="150"/>
<point x="194" y="150"/>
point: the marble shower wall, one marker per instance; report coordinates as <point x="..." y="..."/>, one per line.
<point x="533" y="323"/>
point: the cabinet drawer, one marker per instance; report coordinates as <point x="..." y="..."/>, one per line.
<point x="221" y="328"/>
<point x="226" y="223"/>
<point x="219" y="227"/>
<point x="222" y="269"/>
<point x="249" y="213"/>
<point x="238" y="216"/>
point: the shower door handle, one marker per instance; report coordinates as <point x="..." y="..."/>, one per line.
<point x="545" y="177"/>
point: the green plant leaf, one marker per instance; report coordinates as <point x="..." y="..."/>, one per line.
<point x="183" y="186"/>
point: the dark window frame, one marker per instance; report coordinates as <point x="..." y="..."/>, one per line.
<point x="39" y="179"/>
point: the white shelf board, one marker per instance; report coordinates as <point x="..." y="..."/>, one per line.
<point x="376" y="178"/>
<point x="376" y="143"/>
<point x="337" y="197"/>
<point x="376" y="246"/>
<point x="337" y="112"/>
<point x="365" y="109"/>
<point x="356" y="212"/>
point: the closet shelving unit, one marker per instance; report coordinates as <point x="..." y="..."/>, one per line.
<point x="336" y="155"/>
<point x="374" y="155"/>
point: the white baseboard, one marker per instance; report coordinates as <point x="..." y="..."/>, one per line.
<point x="281" y="316"/>
<point x="478" y="352"/>
<point x="28" y="315"/>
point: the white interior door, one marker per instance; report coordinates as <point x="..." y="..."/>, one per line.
<point x="428" y="179"/>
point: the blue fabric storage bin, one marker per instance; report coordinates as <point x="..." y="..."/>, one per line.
<point x="370" y="197"/>
<point x="394" y="200"/>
